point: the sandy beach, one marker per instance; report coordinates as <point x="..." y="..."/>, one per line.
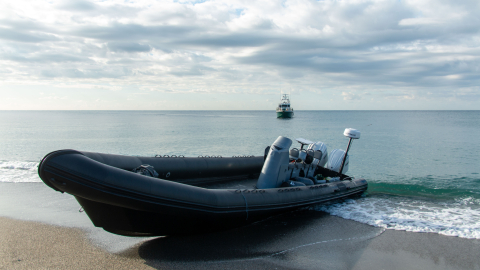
<point x="30" y="245"/>
<point x="41" y="229"/>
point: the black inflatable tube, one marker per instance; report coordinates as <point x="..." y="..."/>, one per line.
<point x="123" y="202"/>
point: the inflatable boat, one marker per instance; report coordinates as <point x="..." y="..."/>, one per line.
<point x="151" y="196"/>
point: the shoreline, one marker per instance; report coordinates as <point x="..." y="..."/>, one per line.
<point x="41" y="229"/>
<point x="34" y="245"/>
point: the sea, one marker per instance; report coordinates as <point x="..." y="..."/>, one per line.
<point x="423" y="167"/>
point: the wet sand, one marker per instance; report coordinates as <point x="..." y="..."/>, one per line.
<point x="43" y="229"/>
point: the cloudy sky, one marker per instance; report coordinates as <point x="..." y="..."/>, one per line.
<point x="223" y="55"/>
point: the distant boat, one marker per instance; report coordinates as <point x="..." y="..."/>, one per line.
<point x="284" y="110"/>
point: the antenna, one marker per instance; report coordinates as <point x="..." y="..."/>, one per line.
<point x="352" y="134"/>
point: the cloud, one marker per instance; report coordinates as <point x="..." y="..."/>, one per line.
<point x="128" y="47"/>
<point x="44" y="58"/>
<point x="417" y="21"/>
<point x="21" y="36"/>
<point x="350" y="96"/>
<point x="86" y="74"/>
<point x="121" y="32"/>
<point x="77" y="5"/>
<point x="410" y="47"/>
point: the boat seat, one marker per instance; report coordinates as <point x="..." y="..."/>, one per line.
<point x="309" y="158"/>
<point x="318" y="154"/>
<point x="302" y="154"/>
<point x="294" y="153"/>
<point x="294" y="170"/>
<point x="305" y="181"/>
<point x="311" y="162"/>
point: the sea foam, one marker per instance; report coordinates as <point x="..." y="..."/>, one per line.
<point x="459" y="218"/>
<point x="19" y="171"/>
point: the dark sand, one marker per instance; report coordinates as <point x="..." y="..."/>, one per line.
<point x="42" y="229"/>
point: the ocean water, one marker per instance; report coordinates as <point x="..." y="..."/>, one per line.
<point x="422" y="166"/>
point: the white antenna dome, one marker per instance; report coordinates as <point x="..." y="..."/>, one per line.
<point x="352" y="133"/>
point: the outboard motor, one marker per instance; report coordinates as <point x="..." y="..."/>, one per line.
<point x="277" y="156"/>
<point x="319" y="146"/>
<point x="352" y="134"/>
<point x="335" y="161"/>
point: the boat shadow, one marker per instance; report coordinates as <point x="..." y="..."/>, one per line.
<point x="304" y="237"/>
<point x="265" y="238"/>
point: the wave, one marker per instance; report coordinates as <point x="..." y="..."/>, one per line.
<point x="438" y="192"/>
<point x="454" y="219"/>
<point x="19" y="171"/>
<point x="445" y="187"/>
<point x="447" y="205"/>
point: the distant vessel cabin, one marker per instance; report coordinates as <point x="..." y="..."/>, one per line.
<point x="284" y="110"/>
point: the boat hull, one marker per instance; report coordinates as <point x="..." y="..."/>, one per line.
<point x="126" y="203"/>
<point x="284" y="114"/>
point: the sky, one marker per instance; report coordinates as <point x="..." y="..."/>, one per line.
<point x="240" y="55"/>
